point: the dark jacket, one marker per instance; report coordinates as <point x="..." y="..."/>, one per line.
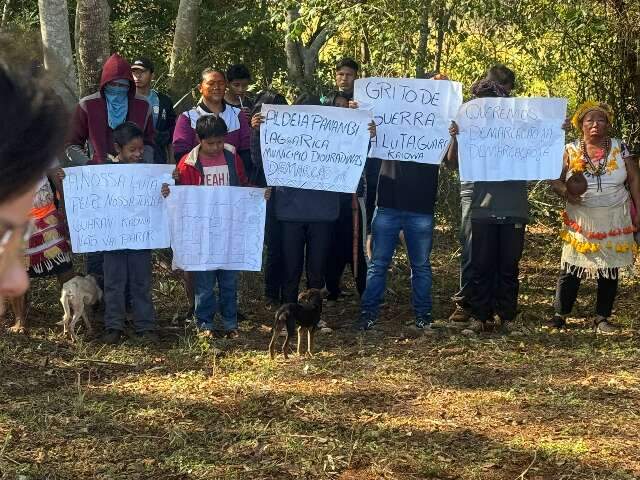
<point x="164" y="128"/>
<point x="90" y="126"/>
<point x="408" y="186"/>
<point x="308" y="206"/>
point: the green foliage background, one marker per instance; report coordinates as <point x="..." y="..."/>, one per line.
<point x="579" y="49"/>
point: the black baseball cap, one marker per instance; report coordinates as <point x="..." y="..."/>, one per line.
<point x="142" y="63"/>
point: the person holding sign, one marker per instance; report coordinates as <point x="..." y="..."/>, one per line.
<point x="273" y="268"/>
<point x="306" y="218"/>
<point x="211" y="164"/>
<point x="407" y="193"/>
<point x="128" y="269"/>
<point x="498" y="82"/>
<point x="346" y="72"/>
<point x="347" y="246"/>
<point x="499" y="212"/>
<point x="90" y="139"/>
<point x="599" y="220"/>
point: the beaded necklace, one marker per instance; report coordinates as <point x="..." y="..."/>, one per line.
<point x="593" y="169"/>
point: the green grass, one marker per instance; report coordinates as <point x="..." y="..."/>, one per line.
<point x="385" y="405"/>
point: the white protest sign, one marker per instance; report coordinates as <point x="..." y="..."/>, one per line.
<point x="312" y="147"/>
<point x="412" y="116"/>
<point x="217" y="228"/>
<point x="511" y="138"/>
<point x="116" y="207"/>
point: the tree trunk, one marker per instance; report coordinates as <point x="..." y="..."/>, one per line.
<point x="423" y="44"/>
<point x="292" y="48"/>
<point x="5" y="14"/>
<point x="56" y="47"/>
<point x="443" y="21"/>
<point x="184" y="41"/>
<point x="365" y="53"/>
<point x="302" y="60"/>
<point x="93" y="42"/>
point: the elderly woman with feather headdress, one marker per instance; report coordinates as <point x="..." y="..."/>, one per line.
<point x="600" y="182"/>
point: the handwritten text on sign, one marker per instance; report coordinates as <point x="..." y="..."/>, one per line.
<point x="511" y="139"/>
<point x="115" y="207"/>
<point x="217" y="228"/>
<point x="412" y="116"/>
<point x="317" y="148"/>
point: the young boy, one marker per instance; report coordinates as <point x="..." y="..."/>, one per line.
<point x="213" y="163"/>
<point x="130" y="268"/>
<point x="239" y="79"/>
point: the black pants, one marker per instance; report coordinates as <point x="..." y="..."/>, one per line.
<point x="567" y="292"/>
<point x="496" y="249"/>
<point x="341" y="254"/>
<point x="273" y="269"/>
<point x="297" y="237"/>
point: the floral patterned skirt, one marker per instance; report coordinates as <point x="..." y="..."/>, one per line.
<point x="598" y="240"/>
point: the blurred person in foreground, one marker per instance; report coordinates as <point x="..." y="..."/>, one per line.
<point x="31" y="134"/>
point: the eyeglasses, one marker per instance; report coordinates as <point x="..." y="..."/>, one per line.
<point x="8" y="232"/>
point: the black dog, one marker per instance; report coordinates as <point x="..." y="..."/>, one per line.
<point x="304" y="315"/>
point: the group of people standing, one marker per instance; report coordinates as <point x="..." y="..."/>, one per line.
<point x="217" y="143"/>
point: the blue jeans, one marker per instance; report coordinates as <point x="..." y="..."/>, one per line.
<point x="463" y="296"/>
<point x="418" y="234"/>
<point x="207" y="305"/>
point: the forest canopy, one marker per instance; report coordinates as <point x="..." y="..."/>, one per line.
<point x="580" y="49"/>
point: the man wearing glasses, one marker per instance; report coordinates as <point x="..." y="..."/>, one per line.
<point x="30" y="136"/>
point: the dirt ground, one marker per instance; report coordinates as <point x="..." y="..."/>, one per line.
<point x="388" y="404"/>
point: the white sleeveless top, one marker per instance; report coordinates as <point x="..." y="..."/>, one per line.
<point x="613" y="181"/>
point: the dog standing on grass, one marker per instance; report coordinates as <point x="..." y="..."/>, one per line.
<point x="303" y="316"/>
<point x="78" y="295"/>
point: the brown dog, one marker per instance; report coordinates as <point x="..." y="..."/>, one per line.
<point x="303" y="316"/>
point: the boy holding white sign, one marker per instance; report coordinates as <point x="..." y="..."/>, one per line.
<point x="128" y="268"/>
<point x="212" y="164"/>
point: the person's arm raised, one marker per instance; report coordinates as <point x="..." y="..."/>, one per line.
<point x="451" y="159"/>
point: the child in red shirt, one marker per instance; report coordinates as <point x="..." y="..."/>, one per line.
<point x="213" y="163"/>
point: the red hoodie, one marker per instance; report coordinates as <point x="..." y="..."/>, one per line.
<point x="89" y="122"/>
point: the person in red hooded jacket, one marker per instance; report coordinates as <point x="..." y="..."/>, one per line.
<point x="90" y="139"/>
